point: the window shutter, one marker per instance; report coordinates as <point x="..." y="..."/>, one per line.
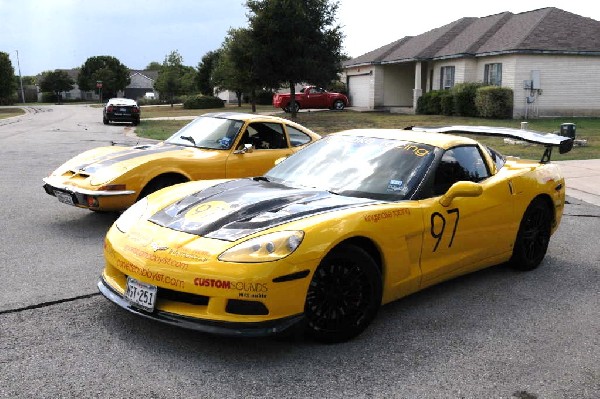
<point x="486" y="74"/>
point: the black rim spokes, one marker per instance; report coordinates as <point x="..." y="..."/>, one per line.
<point x="535" y="236"/>
<point x="338" y="297"/>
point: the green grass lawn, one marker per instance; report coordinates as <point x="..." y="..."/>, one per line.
<point x="325" y="122"/>
<point x="9" y="112"/>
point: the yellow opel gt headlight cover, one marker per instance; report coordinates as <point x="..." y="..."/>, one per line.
<point x="266" y="248"/>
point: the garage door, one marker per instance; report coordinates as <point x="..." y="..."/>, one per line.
<point x="359" y="88"/>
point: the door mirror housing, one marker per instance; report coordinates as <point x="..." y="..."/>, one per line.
<point x="461" y="189"/>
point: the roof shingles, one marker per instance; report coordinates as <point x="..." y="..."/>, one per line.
<point x="547" y="29"/>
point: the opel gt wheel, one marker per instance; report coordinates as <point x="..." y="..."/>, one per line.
<point x="161" y="182"/>
<point x="533" y="236"/>
<point x="344" y="295"/>
<point x="338" y="105"/>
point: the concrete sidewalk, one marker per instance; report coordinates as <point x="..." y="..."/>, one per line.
<point x="582" y="178"/>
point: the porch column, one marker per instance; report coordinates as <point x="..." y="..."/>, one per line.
<point x="417" y="91"/>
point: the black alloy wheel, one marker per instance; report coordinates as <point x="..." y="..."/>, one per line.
<point x="533" y="236"/>
<point x="344" y="295"/>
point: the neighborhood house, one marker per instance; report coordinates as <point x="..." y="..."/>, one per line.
<point x="550" y="58"/>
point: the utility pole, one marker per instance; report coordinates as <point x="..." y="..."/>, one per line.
<point x="20" y="78"/>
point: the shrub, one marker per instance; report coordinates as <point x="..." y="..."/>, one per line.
<point x="494" y="102"/>
<point x="202" y="102"/>
<point x="337" y="87"/>
<point x="464" y="99"/>
<point x="446" y="103"/>
<point x="429" y="103"/>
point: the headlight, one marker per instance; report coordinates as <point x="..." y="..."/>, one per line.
<point x="132" y="215"/>
<point x="267" y="248"/>
<point x="106" y="175"/>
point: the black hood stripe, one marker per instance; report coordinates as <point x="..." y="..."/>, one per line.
<point x="120" y="156"/>
<point x="253" y="206"/>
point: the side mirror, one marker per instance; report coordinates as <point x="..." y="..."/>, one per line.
<point x="245" y="149"/>
<point x="461" y="189"/>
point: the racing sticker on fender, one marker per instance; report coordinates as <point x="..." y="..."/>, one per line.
<point x="211" y="209"/>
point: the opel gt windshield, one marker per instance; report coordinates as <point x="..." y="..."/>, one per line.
<point x="208" y="132"/>
<point x="357" y="166"/>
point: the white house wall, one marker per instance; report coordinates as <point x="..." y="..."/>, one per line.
<point x="569" y="85"/>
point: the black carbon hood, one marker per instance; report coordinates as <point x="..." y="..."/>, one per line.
<point x="238" y="208"/>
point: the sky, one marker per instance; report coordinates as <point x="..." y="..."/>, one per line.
<point x="63" y="34"/>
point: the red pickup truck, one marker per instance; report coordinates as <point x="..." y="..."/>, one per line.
<point x="311" y="97"/>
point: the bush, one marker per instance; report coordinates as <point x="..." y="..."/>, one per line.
<point x="337" y="87"/>
<point x="429" y="103"/>
<point x="446" y="103"/>
<point x="494" y="102"/>
<point x="464" y="99"/>
<point x="202" y="102"/>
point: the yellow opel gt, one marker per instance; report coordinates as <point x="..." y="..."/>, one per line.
<point x="213" y="146"/>
<point x="351" y="222"/>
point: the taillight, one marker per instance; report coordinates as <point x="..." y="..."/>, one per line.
<point x="135" y="110"/>
<point x="109" y="109"/>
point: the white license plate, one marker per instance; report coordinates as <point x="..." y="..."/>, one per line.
<point x="140" y="294"/>
<point x="64" y="197"/>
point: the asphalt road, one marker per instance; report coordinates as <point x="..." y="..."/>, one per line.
<point x="492" y="334"/>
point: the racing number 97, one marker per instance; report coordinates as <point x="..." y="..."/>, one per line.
<point x="439" y="234"/>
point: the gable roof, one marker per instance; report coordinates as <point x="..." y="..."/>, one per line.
<point x="547" y="30"/>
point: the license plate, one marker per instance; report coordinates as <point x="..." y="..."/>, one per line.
<point x="123" y="109"/>
<point x="65" y="198"/>
<point x="140" y="294"/>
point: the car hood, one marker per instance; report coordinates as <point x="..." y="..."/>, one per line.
<point x="238" y="208"/>
<point x="104" y="157"/>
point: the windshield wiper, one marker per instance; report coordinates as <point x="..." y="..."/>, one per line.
<point x="261" y="178"/>
<point x="188" y="138"/>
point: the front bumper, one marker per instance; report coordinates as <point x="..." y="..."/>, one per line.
<point x="80" y="197"/>
<point x="240" y="329"/>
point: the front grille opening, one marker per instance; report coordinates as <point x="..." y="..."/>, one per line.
<point x="177" y="296"/>
<point x="247" y="308"/>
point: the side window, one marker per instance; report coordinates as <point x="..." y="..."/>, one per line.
<point x="459" y="164"/>
<point x="297" y="138"/>
<point x="265" y="136"/>
<point x="492" y="74"/>
<point x="447" y="78"/>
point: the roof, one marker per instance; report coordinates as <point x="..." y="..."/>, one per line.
<point x="546" y="30"/>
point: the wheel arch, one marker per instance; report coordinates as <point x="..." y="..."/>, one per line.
<point x="174" y="177"/>
<point x="547" y="200"/>
<point x="366" y="244"/>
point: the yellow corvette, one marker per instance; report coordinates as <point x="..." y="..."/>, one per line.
<point x="213" y="146"/>
<point x="351" y="222"/>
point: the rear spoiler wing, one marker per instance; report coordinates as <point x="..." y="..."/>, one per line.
<point x="549" y="140"/>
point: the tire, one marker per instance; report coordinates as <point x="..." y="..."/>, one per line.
<point x="533" y="237"/>
<point x="338" y="105"/>
<point x="159" y="183"/>
<point x="344" y="295"/>
<point x="105" y="121"/>
<point x="135" y="123"/>
<point x="296" y="107"/>
<point x="286" y="109"/>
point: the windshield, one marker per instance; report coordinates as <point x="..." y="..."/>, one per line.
<point x="208" y="132"/>
<point x="357" y="166"/>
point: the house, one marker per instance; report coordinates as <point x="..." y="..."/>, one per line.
<point x="549" y="57"/>
<point x="142" y="82"/>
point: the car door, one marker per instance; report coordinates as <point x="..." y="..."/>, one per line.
<point x="471" y="232"/>
<point x="269" y="143"/>
<point x="317" y="98"/>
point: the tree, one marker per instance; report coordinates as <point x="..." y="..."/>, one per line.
<point x="205" y="69"/>
<point x="56" y="82"/>
<point x="169" y="81"/>
<point x="106" y="69"/>
<point x="236" y="68"/>
<point x="153" y="66"/>
<point x="7" y="82"/>
<point x="296" y="41"/>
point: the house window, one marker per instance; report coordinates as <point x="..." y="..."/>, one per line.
<point x="492" y="74"/>
<point x="447" y="78"/>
